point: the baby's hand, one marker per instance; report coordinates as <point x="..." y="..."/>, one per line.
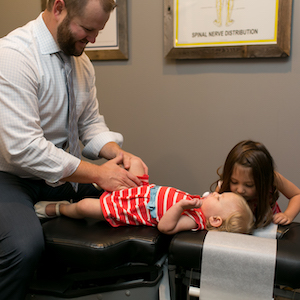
<point x="282" y="219"/>
<point x="192" y="203"/>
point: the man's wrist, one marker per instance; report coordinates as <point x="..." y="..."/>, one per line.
<point x="110" y="150"/>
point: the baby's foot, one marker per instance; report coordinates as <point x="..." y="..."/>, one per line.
<point x="48" y="209"/>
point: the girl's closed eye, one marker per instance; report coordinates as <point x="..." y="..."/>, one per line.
<point x="251" y="185"/>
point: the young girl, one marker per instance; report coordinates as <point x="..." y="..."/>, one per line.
<point x="249" y="171"/>
<point x="167" y="208"/>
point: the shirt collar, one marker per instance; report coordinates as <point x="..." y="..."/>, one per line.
<point x="44" y="37"/>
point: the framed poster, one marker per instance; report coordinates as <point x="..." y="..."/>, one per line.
<point x="112" y="41"/>
<point x="208" y="29"/>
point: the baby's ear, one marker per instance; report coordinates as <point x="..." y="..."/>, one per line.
<point x="215" y="221"/>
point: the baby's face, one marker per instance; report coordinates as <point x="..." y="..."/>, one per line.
<point x="221" y="205"/>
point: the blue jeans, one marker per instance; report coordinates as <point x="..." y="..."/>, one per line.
<point x="21" y="235"/>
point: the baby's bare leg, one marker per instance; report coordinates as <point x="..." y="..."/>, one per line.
<point x="85" y="208"/>
<point x="136" y="167"/>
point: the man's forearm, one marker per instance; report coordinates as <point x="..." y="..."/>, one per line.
<point x="110" y="150"/>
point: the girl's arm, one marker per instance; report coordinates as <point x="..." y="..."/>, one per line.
<point x="173" y="221"/>
<point x="292" y="192"/>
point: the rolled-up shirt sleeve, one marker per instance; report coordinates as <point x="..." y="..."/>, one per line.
<point x="91" y="150"/>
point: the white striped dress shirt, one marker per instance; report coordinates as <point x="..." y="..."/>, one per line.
<point x="34" y="107"/>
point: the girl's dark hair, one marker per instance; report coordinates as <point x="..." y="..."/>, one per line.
<point x="254" y="155"/>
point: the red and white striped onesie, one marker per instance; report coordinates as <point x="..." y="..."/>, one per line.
<point x="129" y="206"/>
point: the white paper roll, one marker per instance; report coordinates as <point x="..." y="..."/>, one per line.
<point x="237" y="267"/>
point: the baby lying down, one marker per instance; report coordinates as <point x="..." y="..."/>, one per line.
<point x="168" y="208"/>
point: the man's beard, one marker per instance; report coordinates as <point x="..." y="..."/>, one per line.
<point x="66" y="40"/>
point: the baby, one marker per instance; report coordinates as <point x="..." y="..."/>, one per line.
<point x="168" y="208"/>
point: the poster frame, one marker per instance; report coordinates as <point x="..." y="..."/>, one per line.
<point x="280" y="49"/>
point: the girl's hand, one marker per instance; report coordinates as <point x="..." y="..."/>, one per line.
<point x="282" y="219"/>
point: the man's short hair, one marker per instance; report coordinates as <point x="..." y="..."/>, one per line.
<point x="76" y="7"/>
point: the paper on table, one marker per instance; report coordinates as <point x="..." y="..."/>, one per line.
<point x="237" y="267"/>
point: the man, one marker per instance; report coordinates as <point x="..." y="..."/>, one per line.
<point x="34" y="130"/>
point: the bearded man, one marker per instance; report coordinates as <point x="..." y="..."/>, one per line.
<point x="36" y="161"/>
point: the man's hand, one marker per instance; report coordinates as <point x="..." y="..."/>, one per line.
<point x="112" y="177"/>
<point x="112" y="150"/>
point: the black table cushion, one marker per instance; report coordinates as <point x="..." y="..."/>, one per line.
<point x="93" y="244"/>
<point x="186" y="251"/>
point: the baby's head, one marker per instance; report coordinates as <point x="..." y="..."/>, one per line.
<point x="227" y="212"/>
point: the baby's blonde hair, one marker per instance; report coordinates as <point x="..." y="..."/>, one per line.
<point x="241" y="221"/>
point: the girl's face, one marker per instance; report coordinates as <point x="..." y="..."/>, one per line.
<point x="242" y="182"/>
